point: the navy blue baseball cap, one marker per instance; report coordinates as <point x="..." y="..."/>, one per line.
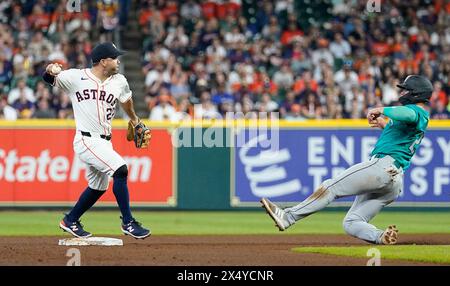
<point x="104" y="51"/>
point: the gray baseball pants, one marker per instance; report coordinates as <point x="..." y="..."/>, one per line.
<point x="375" y="183"/>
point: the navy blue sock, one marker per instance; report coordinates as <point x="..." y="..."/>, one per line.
<point x="85" y="202"/>
<point x="120" y="190"/>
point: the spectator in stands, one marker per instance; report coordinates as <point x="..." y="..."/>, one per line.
<point x="310" y="106"/>
<point x="233" y="38"/>
<point x="226" y="109"/>
<point x="108" y="11"/>
<point x="64" y="106"/>
<point x="301" y="61"/>
<point x="206" y="109"/>
<point x="22" y="62"/>
<point x="216" y="52"/>
<point x="25" y="108"/>
<point x="155" y="29"/>
<point x="38" y="45"/>
<point x="177" y="39"/>
<point x="208" y="9"/>
<point x="293" y="33"/>
<point x="225" y="44"/>
<point x="346" y="79"/>
<point x="41" y="91"/>
<point x="438" y="95"/>
<point x="440" y="111"/>
<point x="266" y="104"/>
<point x="6" y="111"/>
<point x="163" y="110"/>
<point x="44" y="110"/>
<point x="322" y="53"/>
<point x="39" y="19"/>
<point x="284" y="77"/>
<point x="79" y="23"/>
<point x="39" y="32"/>
<point x="287" y="103"/>
<point x="5" y="69"/>
<point x="340" y="48"/>
<point x="190" y="10"/>
<point x="272" y="31"/>
<point x="220" y="95"/>
<point x="156" y="79"/>
<point x="184" y="111"/>
<point x="358" y="103"/>
<point x="21" y="90"/>
<point x="305" y="82"/>
<point x="333" y="108"/>
<point x="179" y="87"/>
<point x="23" y="30"/>
<point x="389" y="91"/>
<point x="295" y="113"/>
<point x="245" y="111"/>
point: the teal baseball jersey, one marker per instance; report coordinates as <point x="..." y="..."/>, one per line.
<point x="400" y="139"/>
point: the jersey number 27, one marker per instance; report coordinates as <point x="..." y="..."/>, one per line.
<point x="111" y="113"/>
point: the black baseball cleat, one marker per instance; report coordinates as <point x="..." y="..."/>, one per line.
<point x="74" y="228"/>
<point x="135" y="229"/>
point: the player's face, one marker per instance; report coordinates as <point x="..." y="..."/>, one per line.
<point x="112" y="66"/>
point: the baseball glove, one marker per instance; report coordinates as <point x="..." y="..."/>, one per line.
<point x="140" y="134"/>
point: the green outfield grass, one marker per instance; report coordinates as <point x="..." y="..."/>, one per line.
<point x="197" y="223"/>
<point x="421" y="253"/>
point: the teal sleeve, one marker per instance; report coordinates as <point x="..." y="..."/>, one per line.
<point x="400" y="113"/>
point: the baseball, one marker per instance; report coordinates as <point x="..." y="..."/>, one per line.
<point x="56" y="69"/>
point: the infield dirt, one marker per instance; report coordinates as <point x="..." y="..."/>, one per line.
<point x="204" y="250"/>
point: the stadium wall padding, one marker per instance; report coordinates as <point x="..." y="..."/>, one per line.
<point x="203" y="176"/>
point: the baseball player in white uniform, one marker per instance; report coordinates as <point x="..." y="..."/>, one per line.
<point x="94" y="93"/>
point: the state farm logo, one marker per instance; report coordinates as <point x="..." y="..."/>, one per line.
<point x="15" y="167"/>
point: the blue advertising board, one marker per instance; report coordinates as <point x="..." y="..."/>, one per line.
<point x="287" y="165"/>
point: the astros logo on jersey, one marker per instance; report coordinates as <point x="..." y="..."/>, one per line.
<point x="92" y="94"/>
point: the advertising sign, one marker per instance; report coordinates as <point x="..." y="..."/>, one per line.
<point x="288" y="165"/>
<point x="38" y="166"/>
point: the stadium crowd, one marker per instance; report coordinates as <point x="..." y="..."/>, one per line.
<point x="34" y="33"/>
<point x="204" y="58"/>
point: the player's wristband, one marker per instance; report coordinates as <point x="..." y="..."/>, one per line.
<point x="48" y="78"/>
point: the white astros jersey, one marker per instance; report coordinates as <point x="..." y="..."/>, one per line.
<point x="94" y="104"/>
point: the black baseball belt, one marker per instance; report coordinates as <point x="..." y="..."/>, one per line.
<point x="88" y="134"/>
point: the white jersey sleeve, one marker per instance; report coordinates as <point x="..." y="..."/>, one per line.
<point x="126" y="93"/>
<point x="64" y="79"/>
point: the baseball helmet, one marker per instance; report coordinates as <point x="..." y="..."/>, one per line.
<point x="104" y="51"/>
<point x="419" y="90"/>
